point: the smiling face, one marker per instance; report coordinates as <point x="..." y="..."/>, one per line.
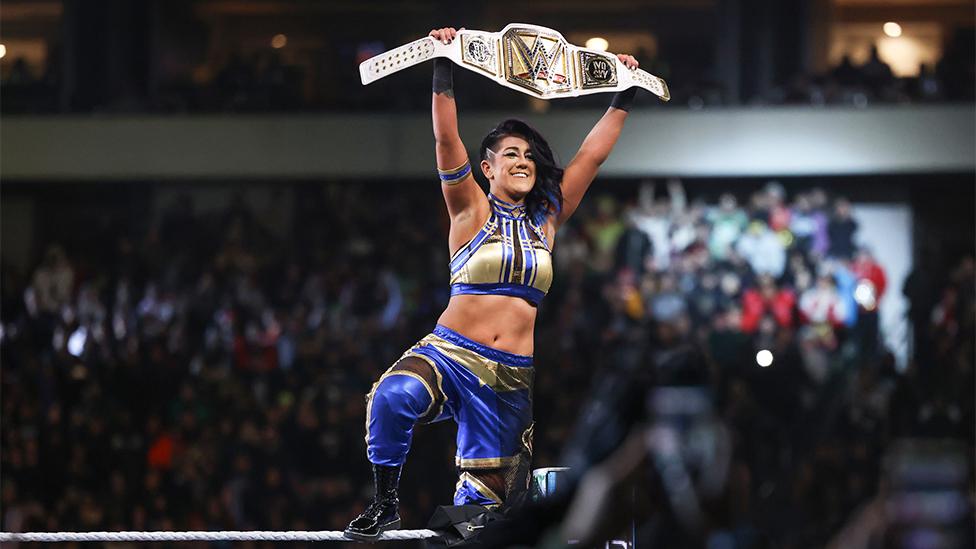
<point x="510" y="169"/>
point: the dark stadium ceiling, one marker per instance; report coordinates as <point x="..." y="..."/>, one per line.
<point x="852" y="10"/>
<point x="397" y="17"/>
<point x="40" y="19"/>
<point x="346" y="6"/>
<point x="21" y="10"/>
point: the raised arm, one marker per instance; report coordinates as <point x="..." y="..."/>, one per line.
<point x="595" y="148"/>
<point x="461" y="192"/>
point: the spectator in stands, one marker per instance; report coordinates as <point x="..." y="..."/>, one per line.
<point x="653" y="216"/>
<point x="841" y="230"/>
<point x="668" y="303"/>
<point x="634" y="250"/>
<point x="845" y="73"/>
<point x="822" y="304"/>
<point x="821" y="216"/>
<point x="728" y="222"/>
<point x="688" y="228"/>
<point x="767" y="299"/>
<point x="822" y="312"/>
<point x="779" y="212"/>
<point x="928" y="88"/>
<point x="762" y="249"/>
<point x="956" y="68"/>
<point x="603" y="231"/>
<point x="803" y="225"/>
<point x="53" y="283"/>
<point x="877" y="73"/>
<point x="846" y="282"/>
<point x="759" y="206"/>
<point x="868" y="293"/>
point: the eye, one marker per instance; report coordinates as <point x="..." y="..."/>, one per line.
<point x="511" y="154"/>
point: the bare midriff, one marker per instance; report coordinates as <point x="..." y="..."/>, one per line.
<point x="500" y="322"/>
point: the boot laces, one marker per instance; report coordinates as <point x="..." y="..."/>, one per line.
<point x="377" y="507"/>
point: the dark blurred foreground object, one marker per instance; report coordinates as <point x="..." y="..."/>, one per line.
<point x="466" y="525"/>
<point x="925" y="500"/>
<point x="665" y="477"/>
<point x="647" y="463"/>
<point x="928" y="495"/>
<point x="461" y="525"/>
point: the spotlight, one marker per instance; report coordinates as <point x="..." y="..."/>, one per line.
<point x="597" y="43"/>
<point x="279" y="41"/>
<point x="76" y="343"/>
<point x="892" y="29"/>
<point x="865" y="295"/>
<point x="764" y="358"/>
<point x="3" y="51"/>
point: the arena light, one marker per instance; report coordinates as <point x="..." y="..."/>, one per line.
<point x="597" y="43"/>
<point x="865" y="295"/>
<point x="3" y="51"/>
<point x="76" y="343"/>
<point x="279" y="41"/>
<point x="764" y="358"/>
<point x="892" y="29"/>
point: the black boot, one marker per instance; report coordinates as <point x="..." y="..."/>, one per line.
<point x="382" y="514"/>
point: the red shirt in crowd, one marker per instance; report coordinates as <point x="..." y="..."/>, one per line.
<point x="867" y="268"/>
<point x="755" y="306"/>
<point x="779" y="218"/>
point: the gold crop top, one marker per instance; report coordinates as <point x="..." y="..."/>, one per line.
<point x="509" y="256"/>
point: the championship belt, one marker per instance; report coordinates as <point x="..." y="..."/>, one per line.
<point x="531" y="59"/>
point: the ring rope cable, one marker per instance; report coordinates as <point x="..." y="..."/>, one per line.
<point x="221" y="535"/>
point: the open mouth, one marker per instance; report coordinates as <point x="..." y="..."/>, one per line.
<point x="520" y="174"/>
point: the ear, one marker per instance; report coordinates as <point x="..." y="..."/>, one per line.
<point x="486" y="169"/>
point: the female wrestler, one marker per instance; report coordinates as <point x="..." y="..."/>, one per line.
<point x="476" y="366"/>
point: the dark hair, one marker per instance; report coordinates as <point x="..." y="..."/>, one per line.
<point x="546" y="197"/>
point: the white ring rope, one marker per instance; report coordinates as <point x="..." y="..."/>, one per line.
<point x="226" y="535"/>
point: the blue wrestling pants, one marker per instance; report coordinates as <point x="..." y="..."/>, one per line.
<point x="486" y="391"/>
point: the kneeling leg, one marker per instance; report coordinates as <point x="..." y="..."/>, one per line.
<point x="404" y="396"/>
<point x="401" y="398"/>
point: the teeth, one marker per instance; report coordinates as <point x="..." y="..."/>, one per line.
<point x="521" y="175"/>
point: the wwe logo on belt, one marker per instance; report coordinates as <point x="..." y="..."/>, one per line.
<point x="538" y="61"/>
<point x="535" y="60"/>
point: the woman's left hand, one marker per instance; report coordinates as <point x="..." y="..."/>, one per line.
<point x="628" y="60"/>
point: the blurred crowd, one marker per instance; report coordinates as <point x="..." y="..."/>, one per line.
<point x="873" y="82"/>
<point x="207" y="369"/>
<point x="265" y="80"/>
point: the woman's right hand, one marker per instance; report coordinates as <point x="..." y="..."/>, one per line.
<point x="445" y="35"/>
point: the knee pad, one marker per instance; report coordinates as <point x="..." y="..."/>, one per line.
<point x="402" y="394"/>
<point x="393" y="408"/>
